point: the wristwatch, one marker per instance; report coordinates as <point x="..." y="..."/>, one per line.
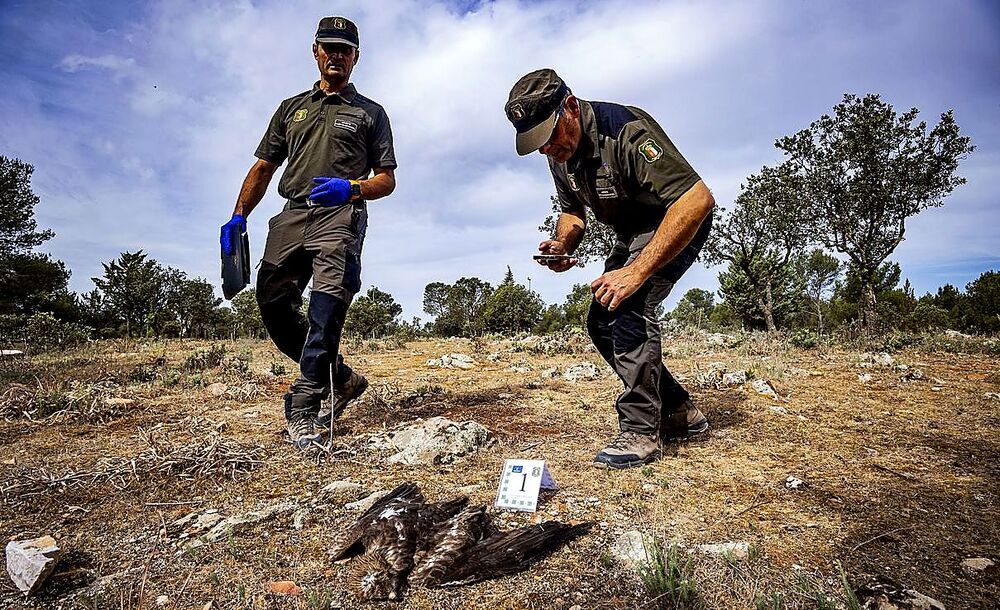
<point x="356" y="191"/>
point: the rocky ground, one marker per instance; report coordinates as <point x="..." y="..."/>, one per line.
<point x="163" y="474"/>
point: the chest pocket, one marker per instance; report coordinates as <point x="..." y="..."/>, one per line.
<point x="607" y="184"/>
<point x="349" y="124"/>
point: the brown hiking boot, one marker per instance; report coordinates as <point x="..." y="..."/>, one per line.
<point x="683" y="423"/>
<point x="302" y="432"/>
<point x="628" y="449"/>
<point x="340" y="397"/>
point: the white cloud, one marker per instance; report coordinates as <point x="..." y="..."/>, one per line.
<point x="113" y="63"/>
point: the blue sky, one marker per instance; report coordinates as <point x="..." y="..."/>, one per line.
<point x="141" y="118"/>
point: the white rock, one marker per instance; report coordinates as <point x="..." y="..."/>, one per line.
<point x="162" y="600"/>
<point x="237" y="523"/>
<point x="437" y="440"/>
<point x="794" y="483"/>
<point x="217" y="389"/>
<point x="299" y="518"/>
<point x="880" y="359"/>
<point x="865" y="378"/>
<point x="452" y="361"/>
<point x="919" y="601"/>
<point x="736" y="550"/>
<point x="954" y="334"/>
<point x="341" y="492"/>
<point x="582" y="371"/>
<point x="30" y="562"/>
<point x="764" y="388"/>
<point x="551" y="372"/>
<point x="630" y="549"/>
<point x="365" y="503"/>
<point x="978" y="563"/>
<point x="735" y="378"/>
<point x="779" y="410"/>
<point x="992" y="396"/>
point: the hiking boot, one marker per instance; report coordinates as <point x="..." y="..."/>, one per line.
<point x="340" y="397"/>
<point x="629" y="449"/>
<point x="683" y="423"/>
<point x="302" y="432"/>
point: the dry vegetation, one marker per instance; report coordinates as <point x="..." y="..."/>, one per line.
<point x="105" y="447"/>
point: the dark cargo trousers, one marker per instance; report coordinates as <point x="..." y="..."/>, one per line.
<point x="324" y="244"/>
<point x="629" y="337"/>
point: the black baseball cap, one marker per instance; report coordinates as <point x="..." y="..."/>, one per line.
<point x="532" y="107"/>
<point x="337" y="29"/>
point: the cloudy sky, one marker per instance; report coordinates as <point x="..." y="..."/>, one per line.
<point x="141" y="118"/>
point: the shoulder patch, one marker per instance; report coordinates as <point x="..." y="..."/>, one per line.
<point x="300" y="115"/>
<point x="650" y="150"/>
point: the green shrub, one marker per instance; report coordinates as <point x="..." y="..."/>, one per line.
<point x="40" y="332"/>
<point x="667" y="579"/>
<point x="205" y="358"/>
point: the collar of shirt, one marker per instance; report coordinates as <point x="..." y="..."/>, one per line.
<point x="589" y="144"/>
<point x="347" y="93"/>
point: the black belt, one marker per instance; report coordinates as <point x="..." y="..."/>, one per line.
<point x="299" y="204"/>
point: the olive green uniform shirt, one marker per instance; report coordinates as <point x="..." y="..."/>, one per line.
<point x="626" y="170"/>
<point x="343" y="135"/>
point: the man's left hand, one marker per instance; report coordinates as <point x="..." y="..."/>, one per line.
<point x="615" y="286"/>
<point x="330" y="191"/>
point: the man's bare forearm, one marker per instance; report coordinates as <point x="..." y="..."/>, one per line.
<point x="254" y="187"/>
<point x="569" y="230"/>
<point x="676" y="230"/>
<point x="379" y="185"/>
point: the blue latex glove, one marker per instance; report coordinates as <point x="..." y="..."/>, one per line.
<point x="238" y="222"/>
<point x="330" y="191"/>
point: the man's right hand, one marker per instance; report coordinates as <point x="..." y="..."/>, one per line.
<point x="553" y="246"/>
<point x="238" y="222"/>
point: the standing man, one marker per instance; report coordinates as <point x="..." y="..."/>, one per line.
<point x="617" y="161"/>
<point x="334" y="139"/>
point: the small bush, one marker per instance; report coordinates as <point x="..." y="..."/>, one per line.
<point x="803" y="339"/>
<point x="278" y="369"/>
<point x="206" y="358"/>
<point x="667" y="579"/>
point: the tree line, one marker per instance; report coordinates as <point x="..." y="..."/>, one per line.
<point x="805" y="245"/>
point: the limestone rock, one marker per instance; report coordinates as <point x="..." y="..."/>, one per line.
<point x="365" y="503"/>
<point x="437" y="440"/>
<point x="217" y="389"/>
<point x="736" y="550"/>
<point x="30" y="562"/>
<point x="237" y="523"/>
<point x="582" y="371"/>
<point x="341" y="492"/>
<point x="452" y="361"/>
<point x="630" y="549"/>
<point x="764" y="388"/>
<point x="735" y="378"/>
<point x="978" y="564"/>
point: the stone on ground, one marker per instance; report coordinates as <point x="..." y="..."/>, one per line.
<point x="30" y="562"/>
<point x="437" y="440"/>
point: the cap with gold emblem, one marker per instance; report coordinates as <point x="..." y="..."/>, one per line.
<point x="337" y="29"/>
<point x="533" y="106"/>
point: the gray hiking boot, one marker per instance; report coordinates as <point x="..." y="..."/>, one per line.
<point x="302" y="432"/>
<point x="628" y="449"/>
<point x="683" y="423"/>
<point x="340" y="397"/>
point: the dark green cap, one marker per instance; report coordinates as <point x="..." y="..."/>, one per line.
<point x="532" y="107"/>
<point x="337" y="29"/>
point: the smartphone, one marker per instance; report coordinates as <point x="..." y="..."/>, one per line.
<point x="553" y="258"/>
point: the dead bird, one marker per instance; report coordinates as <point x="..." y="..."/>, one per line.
<point x="403" y="538"/>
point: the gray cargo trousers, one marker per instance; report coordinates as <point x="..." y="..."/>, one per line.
<point x="322" y="244"/>
<point x="628" y="338"/>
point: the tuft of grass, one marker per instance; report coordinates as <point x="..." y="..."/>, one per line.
<point x="850" y="597"/>
<point x="667" y="578"/>
<point x="774" y="601"/>
<point x="278" y="369"/>
<point x="818" y="597"/>
<point x="316" y="600"/>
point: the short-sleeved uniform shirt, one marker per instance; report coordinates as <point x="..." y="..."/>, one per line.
<point x="626" y="170"/>
<point x="344" y="135"/>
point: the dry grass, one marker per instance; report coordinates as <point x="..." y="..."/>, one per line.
<point x="901" y="479"/>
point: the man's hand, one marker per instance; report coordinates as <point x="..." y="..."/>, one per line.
<point x="330" y="192"/>
<point x="238" y="222"/>
<point x="552" y="246"/>
<point x="615" y="286"/>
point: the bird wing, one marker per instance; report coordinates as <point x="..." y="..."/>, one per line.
<point x="348" y="542"/>
<point x="510" y="552"/>
<point x="441" y="548"/>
